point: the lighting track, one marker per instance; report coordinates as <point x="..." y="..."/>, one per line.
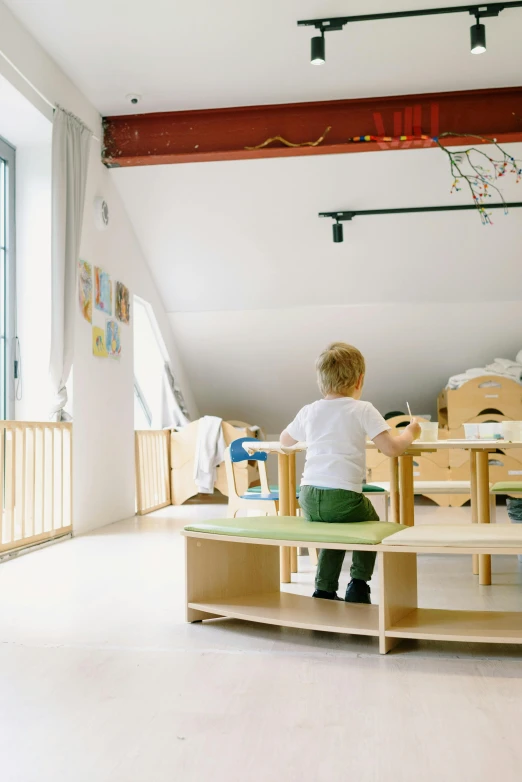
<point x="343" y="216"/>
<point x="478" y="32"/>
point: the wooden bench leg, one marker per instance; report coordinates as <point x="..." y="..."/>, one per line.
<point x="293" y="560"/>
<point x="398" y="593"/>
<point x="220" y="569"/>
<point x="312" y="553"/>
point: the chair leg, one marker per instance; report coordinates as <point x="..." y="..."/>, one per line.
<point x="492" y="508"/>
<point x="312" y="553"/>
<point x="293" y="560"/>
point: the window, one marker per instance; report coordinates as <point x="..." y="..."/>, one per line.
<point x="149" y="365"/>
<point x="7" y="280"/>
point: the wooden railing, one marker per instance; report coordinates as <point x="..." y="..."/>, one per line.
<point x="35" y="482"/>
<point x="152" y="470"/>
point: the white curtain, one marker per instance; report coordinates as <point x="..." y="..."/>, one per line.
<point x="173" y="410"/>
<point x="70" y="160"/>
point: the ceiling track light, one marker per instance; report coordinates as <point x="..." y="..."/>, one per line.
<point x="344" y="216"/>
<point x="318" y="50"/>
<point x="478" y="30"/>
<point x="478" y="37"/>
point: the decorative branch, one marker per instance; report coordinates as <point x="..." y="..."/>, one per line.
<point x="290" y="143"/>
<point x="482" y="181"/>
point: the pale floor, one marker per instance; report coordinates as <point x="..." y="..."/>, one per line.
<point x="101" y="680"/>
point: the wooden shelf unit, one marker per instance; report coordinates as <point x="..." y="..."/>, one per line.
<point x="239" y="578"/>
<point x="468" y="626"/>
<point x="288" y="610"/>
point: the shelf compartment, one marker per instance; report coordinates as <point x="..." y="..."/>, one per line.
<point x="289" y="610"/>
<point x="469" y="626"/>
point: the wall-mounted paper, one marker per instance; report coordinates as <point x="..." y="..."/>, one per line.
<point x="122" y="303"/>
<point x="98" y="342"/>
<point x="102" y="291"/>
<point x="85" y="289"/>
<point x="112" y="339"/>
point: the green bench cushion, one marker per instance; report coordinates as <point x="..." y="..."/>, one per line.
<point x="504" y="487"/>
<point x="297" y="529"/>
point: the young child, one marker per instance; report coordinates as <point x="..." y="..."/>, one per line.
<point x="335" y="430"/>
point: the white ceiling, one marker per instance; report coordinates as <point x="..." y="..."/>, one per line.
<point x="203" y="53"/>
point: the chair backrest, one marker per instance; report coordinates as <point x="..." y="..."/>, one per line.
<point x="238" y="453"/>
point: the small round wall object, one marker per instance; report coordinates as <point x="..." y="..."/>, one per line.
<point x="101" y="214"/>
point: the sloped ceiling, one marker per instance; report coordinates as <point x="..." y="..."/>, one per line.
<point x="256" y="287"/>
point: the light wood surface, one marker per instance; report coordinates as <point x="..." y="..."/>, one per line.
<point x="288" y="610"/>
<point x="36" y="490"/>
<point x="474" y="503"/>
<point x="470" y="626"/>
<point x="488" y="392"/>
<point x="220" y="570"/>
<point x="398" y="593"/>
<point x="284" y="510"/>
<point x="483" y="509"/>
<point x="395" y="501"/>
<point x="407" y="498"/>
<point x="152" y="465"/>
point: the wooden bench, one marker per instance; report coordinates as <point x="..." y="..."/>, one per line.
<point x="232" y="570"/>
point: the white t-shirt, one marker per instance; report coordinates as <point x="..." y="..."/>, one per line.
<point x="335" y="432"/>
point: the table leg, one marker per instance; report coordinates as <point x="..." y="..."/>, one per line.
<point x="284" y="510"/>
<point x="483" y="512"/>
<point x="293" y="505"/>
<point x="474" y="502"/>
<point x="406" y="490"/>
<point x="394" y="490"/>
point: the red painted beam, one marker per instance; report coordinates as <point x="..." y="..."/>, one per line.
<point x="224" y="134"/>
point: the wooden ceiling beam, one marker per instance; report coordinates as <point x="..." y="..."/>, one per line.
<point x="227" y="134"/>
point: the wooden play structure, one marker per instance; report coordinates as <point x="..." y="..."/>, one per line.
<point x="36" y="490"/>
<point x="485" y="399"/>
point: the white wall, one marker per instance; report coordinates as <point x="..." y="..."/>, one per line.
<point x="103" y="389"/>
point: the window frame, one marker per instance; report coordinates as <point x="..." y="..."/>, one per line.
<point x="8" y="283"/>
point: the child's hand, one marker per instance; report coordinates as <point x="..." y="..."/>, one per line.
<point x="414" y="429"/>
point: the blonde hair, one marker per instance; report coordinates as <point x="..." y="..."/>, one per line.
<point x="339" y="368"/>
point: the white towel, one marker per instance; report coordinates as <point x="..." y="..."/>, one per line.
<point x="210" y="452"/>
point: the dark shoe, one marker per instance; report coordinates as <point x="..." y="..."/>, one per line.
<point x="326" y="595"/>
<point x="357" y="591"/>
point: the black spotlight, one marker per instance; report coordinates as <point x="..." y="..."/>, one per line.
<point x="318" y="50"/>
<point x="337" y="232"/>
<point x="478" y="38"/>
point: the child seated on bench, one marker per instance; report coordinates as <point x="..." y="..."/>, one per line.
<point x="335" y="429"/>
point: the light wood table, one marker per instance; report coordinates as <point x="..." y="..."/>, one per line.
<point x="479" y="451"/>
<point x="401" y="486"/>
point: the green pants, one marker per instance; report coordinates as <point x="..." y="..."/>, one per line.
<point x="338" y="505"/>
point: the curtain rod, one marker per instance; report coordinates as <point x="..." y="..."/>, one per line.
<point x="34" y="87"/>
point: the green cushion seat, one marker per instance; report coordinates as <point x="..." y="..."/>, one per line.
<point x="257" y="489"/>
<point x="294" y="528"/>
<point x="505" y="487"/>
<point x="368" y="488"/>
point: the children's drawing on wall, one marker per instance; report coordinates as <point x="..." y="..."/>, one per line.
<point x="98" y="342"/>
<point x="122" y="303"/>
<point x="102" y="291"/>
<point x="113" y="340"/>
<point x="85" y="289"/>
